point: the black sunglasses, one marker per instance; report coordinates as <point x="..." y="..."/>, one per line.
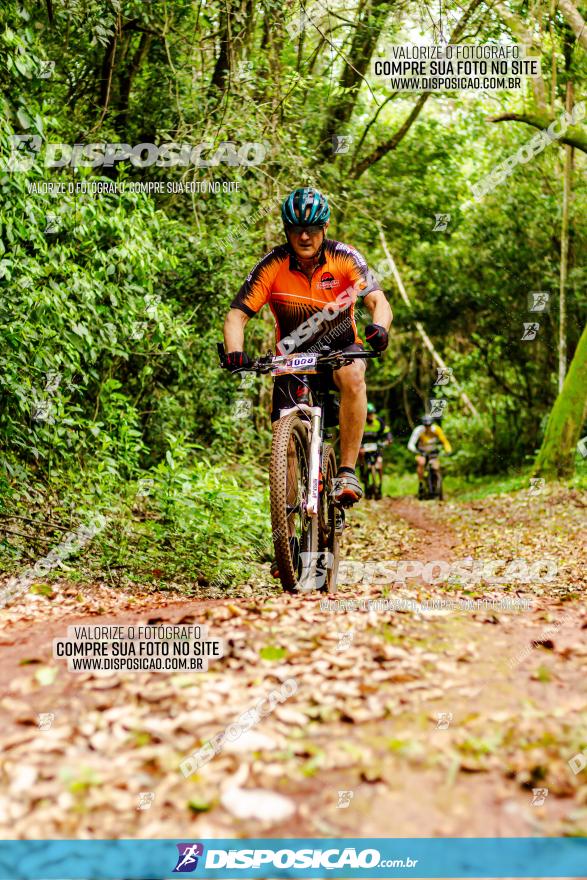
<point x="311" y="230"/>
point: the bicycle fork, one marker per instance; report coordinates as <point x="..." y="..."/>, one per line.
<point x="315" y="444"/>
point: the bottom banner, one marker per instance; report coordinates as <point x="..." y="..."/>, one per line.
<point x="308" y="857"/>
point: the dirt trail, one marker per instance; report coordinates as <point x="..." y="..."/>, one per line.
<point x="431" y="722"/>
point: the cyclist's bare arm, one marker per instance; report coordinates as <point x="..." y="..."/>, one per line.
<point x="379" y="308"/>
<point x="234" y="330"/>
<point x="443" y="439"/>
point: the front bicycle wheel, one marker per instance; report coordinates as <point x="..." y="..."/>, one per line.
<point x="295" y="534"/>
<point x="369" y="481"/>
<point x="434" y="483"/>
<point x="378" y="485"/>
<point x="329" y="526"/>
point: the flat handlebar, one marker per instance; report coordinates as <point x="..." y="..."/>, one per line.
<point x="325" y="358"/>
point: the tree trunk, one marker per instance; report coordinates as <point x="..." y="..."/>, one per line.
<point x="419" y="326"/>
<point x="556" y="458"/>
<point x="567" y="184"/>
<point x="371" y="17"/>
<point x="126" y="81"/>
<point x="574" y="18"/>
<point x="236" y="26"/>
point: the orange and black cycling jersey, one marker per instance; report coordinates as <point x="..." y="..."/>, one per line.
<point x="277" y="280"/>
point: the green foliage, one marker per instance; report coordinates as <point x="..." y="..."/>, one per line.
<point x="111" y="305"/>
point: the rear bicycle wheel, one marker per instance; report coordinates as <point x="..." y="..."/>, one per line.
<point x="378" y="478"/>
<point x="328" y="535"/>
<point x="431" y="482"/>
<point x="435" y="486"/>
<point x="295" y="534"/>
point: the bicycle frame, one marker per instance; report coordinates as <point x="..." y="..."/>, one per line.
<point x="315" y="413"/>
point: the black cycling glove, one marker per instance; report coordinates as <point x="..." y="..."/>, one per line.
<point x="236" y="360"/>
<point x="377" y="337"/>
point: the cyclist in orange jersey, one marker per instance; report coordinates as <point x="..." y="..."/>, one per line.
<point x="311" y="284"/>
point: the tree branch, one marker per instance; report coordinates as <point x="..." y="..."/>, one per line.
<point x="392" y="143"/>
<point x="372" y="122"/>
<point x="542" y="122"/>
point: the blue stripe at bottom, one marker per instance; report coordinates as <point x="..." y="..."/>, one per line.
<point x="307" y="857"/>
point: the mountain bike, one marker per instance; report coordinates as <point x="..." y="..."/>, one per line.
<point x="431" y="487"/>
<point x="306" y="522"/>
<point x="371" y="477"/>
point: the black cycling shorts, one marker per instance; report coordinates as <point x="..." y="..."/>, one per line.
<point x="284" y="387"/>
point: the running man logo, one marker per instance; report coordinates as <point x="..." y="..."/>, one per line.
<point x="45" y="720"/>
<point x="539" y="795"/>
<point x="444" y="375"/>
<point x="242" y="409"/>
<point x="441" y="222"/>
<point x="530" y="331"/>
<point x="299" y="22"/>
<point x="344" y="799"/>
<point x="436" y="407"/>
<point x="53" y="224"/>
<point x="578" y="762"/>
<point x="145" y="800"/>
<point x="187" y="860"/>
<point x="345" y="640"/>
<point x="444" y="719"/>
<point x="538" y="301"/>
<point x="46" y="69"/>
<point x="341" y="143"/>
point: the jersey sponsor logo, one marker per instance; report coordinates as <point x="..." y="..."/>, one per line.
<point x="328" y="281"/>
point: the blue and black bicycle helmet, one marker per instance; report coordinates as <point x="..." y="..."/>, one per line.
<point x="305" y="206"/>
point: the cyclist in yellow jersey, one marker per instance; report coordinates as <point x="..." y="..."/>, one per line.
<point x="425" y="438"/>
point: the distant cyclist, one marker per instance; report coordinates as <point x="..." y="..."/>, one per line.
<point x="375" y="431"/>
<point x="424" y="441"/>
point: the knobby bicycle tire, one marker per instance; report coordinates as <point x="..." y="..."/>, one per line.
<point x="329" y="540"/>
<point x="292" y="568"/>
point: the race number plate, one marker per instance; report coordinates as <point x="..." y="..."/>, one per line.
<point x="370" y="447"/>
<point x="301" y="363"/>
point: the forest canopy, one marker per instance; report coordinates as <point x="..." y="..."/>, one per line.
<point x="120" y="259"/>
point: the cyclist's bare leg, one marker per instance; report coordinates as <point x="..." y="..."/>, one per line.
<point x="420" y="462"/>
<point x="350" y="381"/>
<point x="379" y="470"/>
